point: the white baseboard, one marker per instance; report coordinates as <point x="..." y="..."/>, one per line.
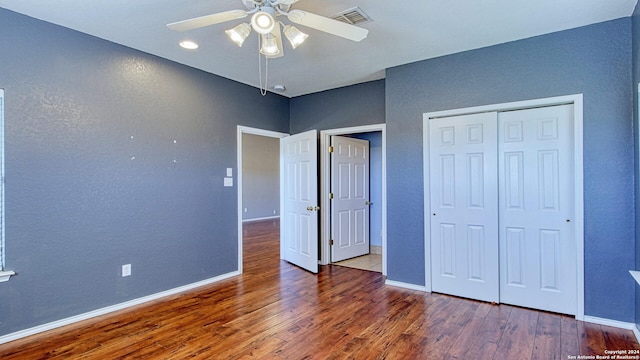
<point x="636" y="332"/>
<point x="405" y="285"/>
<point x="612" y="323"/>
<point x="109" y="309"/>
<point x="262" y="218"/>
<point x="609" y="322"/>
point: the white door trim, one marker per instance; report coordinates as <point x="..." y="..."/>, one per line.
<point x="577" y="101"/>
<point x="254" y="131"/>
<point x="325" y="181"/>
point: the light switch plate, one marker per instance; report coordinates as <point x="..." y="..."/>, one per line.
<point x="228" y="181"/>
<point x="229" y="172"/>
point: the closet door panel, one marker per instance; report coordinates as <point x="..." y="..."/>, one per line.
<point x="464" y="206"/>
<point x="537" y="246"/>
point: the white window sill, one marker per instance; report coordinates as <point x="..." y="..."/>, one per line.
<point x="5" y="275"/>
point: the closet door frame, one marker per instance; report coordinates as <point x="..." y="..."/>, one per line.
<point x="577" y="102"/>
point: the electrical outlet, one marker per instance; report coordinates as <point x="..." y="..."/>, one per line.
<point x="126" y="270"/>
<point x="275" y="212"/>
<point x="245" y="209"/>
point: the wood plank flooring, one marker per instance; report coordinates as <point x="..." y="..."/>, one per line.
<point x="278" y="311"/>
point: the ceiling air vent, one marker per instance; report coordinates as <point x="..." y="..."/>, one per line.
<point x="353" y="16"/>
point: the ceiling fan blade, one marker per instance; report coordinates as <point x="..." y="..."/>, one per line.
<point x="328" y="25"/>
<point x="284" y="2"/>
<point x="207" y="20"/>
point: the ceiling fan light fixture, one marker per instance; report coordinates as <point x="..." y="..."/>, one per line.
<point x="239" y="33"/>
<point x="269" y="45"/>
<point x="295" y="36"/>
<point x="263" y="21"/>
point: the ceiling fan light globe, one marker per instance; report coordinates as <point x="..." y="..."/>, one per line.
<point x="294" y="35"/>
<point x="239" y="33"/>
<point x="263" y="22"/>
<point x="269" y="45"/>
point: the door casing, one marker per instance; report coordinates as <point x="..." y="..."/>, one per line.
<point x="577" y="102"/>
<point x="254" y="131"/>
<point x="325" y="181"/>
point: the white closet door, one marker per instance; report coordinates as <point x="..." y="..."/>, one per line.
<point x="537" y="246"/>
<point x="464" y="206"/>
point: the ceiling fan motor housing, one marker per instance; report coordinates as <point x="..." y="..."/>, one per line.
<point x="264" y="20"/>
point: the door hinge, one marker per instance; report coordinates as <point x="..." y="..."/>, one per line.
<point x="331" y="242"/>
<point x="330" y="196"/>
<point x="330" y="149"/>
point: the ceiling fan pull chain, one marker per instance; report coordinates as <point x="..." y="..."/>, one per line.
<point x="263" y="90"/>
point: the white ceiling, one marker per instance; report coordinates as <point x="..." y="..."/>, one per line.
<point x="401" y="32"/>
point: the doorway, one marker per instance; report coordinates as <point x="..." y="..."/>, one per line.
<point x="324" y="169"/>
<point x="241" y="132"/>
<point x="473" y="244"/>
<point x="376" y="134"/>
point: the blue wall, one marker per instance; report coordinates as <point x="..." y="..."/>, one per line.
<point x="593" y="60"/>
<point x="78" y="206"/>
<point x="357" y="105"/>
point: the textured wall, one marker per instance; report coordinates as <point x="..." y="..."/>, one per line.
<point x="356" y="105"/>
<point x="593" y="60"/>
<point x="95" y="180"/>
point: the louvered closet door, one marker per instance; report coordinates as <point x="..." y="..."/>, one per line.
<point x="464" y="206"/>
<point x="537" y="245"/>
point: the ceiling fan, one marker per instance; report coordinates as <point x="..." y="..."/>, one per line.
<point x="263" y="21"/>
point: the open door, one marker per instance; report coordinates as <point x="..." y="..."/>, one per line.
<point x="299" y="218"/>
<point x="350" y="203"/>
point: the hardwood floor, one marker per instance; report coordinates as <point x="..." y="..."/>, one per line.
<point x="278" y="311"/>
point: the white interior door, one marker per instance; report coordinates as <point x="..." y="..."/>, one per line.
<point x="538" y="249"/>
<point x="350" y="204"/>
<point x="464" y="206"/>
<point x="299" y="220"/>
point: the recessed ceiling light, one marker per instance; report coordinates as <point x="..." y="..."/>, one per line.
<point x="279" y="88"/>
<point x="189" y="45"/>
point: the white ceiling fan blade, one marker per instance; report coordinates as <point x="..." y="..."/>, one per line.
<point x="327" y="25"/>
<point x="207" y="20"/>
<point x="284" y="2"/>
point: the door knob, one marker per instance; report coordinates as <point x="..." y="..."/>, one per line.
<point x="368" y="203"/>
